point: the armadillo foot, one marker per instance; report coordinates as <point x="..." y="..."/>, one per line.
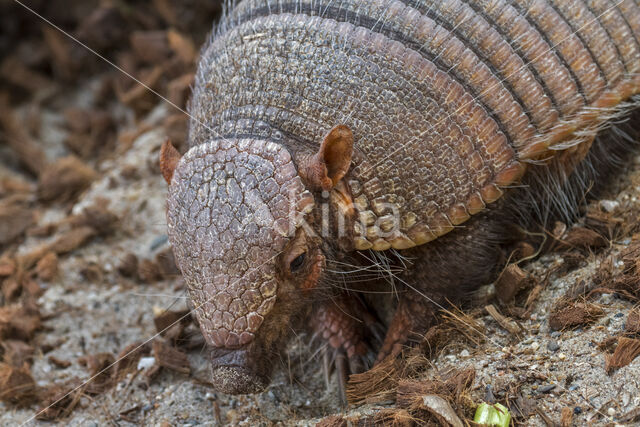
<point x="409" y="324"/>
<point x="349" y="334"/>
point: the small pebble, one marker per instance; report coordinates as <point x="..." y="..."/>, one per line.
<point x="609" y="205"/>
<point x="555" y="334"/>
<point x="464" y="353"/>
<point x="611" y="412"/>
<point x="535" y="346"/>
<point x="553" y="345"/>
<point x="158" y="241"/>
<point x="488" y="396"/>
<point x="562" y="356"/>
<point x="546" y="388"/>
<point x="618" y="315"/>
<point x="577" y="410"/>
<point x="146" y="363"/>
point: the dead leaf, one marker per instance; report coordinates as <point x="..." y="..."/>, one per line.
<point x="170" y="357"/>
<point x="633" y="416"/>
<point x="71" y="240"/>
<point x="7" y="266"/>
<point x="179" y="88"/>
<point x="17" y="138"/>
<point x="441" y="410"/>
<point x="17" y="73"/>
<point x="64" y="179"/>
<point x="570" y="314"/>
<point x="503" y="321"/>
<point x="101" y="368"/>
<point x="393" y="417"/>
<point x="332" y="421"/>
<point x="603" y="223"/>
<point x="171" y="324"/>
<point x="14" y="220"/>
<point x="583" y="238"/>
<point x="182" y="46"/>
<point x="16" y="384"/>
<point x="17" y="353"/>
<point x="47" y="267"/>
<point x="105" y="27"/>
<point x="59" y="363"/>
<point x="451" y="385"/>
<point x="625" y="352"/>
<point x="511" y="281"/>
<point x="128" y="266"/>
<point x="149" y="271"/>
<point x="375" y="385"/>
<point x="128" y="358"/>
<point x="19" y="321"/>
<point x="151" y="47"/>
<point x="58" y="400"/>
<point x="11" y="288"/>
<point x="98" y="217"/>
<point x="632" y="325"/>
<point x="566" y="417"/>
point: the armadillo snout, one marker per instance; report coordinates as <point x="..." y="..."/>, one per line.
<point x="233" y="373"/>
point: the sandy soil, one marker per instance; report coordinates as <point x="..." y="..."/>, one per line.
<point x="91" y="307"/>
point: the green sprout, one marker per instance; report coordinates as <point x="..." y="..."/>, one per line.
<point x="492" y="415"/>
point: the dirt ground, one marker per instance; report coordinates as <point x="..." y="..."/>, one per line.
<point x="88" y="281"/>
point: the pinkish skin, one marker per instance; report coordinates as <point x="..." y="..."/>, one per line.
<point x="235" y="212"/>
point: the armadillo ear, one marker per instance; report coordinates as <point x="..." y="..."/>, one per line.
<point x="331" y="163"/>
<point x="169" y="158"/>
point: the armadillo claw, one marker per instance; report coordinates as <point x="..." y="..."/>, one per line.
<point x="336" y="361"/>
<point x="349" y="336"/>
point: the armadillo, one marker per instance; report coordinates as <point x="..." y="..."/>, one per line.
<point x="356" y="166"/>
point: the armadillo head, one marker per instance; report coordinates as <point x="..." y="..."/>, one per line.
<point x="238" y="220"/>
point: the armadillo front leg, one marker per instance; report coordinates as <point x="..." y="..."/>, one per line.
<point x="410" y="322"/>
<point x="349" y="333"/>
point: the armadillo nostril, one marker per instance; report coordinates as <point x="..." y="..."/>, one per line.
<point x="221" y="356"/>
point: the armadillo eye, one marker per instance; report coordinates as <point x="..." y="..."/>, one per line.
<point x="297" y="262"/>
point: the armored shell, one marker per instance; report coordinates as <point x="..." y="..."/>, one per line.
<point x="447" y="100"/>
